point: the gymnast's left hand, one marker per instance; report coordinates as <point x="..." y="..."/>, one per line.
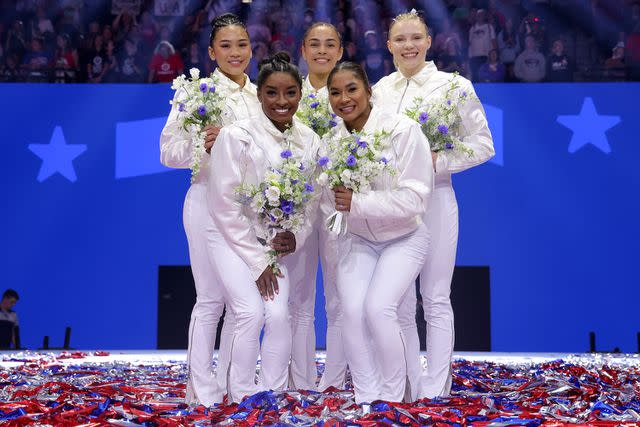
<point x="284" y="243"/>
<point x="211" y="134"/>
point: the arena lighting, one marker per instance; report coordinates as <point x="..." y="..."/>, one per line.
<point x="246" y="1"/>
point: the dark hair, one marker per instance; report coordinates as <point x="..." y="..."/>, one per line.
<point x="10" y="293"/>
<point x="321" y="24"/>
<point x="222" y="21"/>
<point x="277" y="63"/>
<point x="355" y="68"/>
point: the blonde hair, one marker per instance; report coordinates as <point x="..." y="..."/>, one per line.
<point x="407" y="16"/>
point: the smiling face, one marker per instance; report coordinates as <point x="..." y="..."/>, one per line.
<point x="408" y="43"/>
<point x="321" y="49"/>
<point x="232" y="51"/>
<point x="279" y="95"/>
<point x="349" y="98"/>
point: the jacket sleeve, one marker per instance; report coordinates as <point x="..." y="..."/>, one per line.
<point x="475" y="135"/>
<point x="175" y="142"/>
<point x="230" y="164"/>
<point x="414" y="180"/>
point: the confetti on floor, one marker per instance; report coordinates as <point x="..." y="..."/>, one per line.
<point x="127" y="389"/>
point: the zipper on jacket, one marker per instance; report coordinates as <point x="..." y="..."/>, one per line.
<point x="402" y="98"/>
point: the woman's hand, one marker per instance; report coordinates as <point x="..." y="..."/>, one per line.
<point x="211" y="136"/>
<point x="434" y="157"/>
<point x="343" y="198"/>
<point x="284" y="243"/>
<point x="267" y="284"/>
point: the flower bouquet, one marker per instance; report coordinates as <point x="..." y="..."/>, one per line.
<point x="280" y="201"/>
<point x="315" y="113"/>
<point x="352" y="161"/>
<point x="440" y="119"/>
<point x="201" y="106"/>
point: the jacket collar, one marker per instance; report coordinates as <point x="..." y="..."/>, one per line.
<point x="233" y="86"/>
<point x="420" y="77"/>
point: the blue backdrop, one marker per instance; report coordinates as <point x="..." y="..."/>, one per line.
<point x="90" y="213"/>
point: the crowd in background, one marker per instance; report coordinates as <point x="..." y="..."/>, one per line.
<point x="96" y="41"/>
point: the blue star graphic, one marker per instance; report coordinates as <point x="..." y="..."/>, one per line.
<point x="589" y="127"/>
<point x="57" y="156"/>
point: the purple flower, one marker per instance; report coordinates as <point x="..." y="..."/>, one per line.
<point x="448" y="102"/>
<point x="212" y="89"/>
<point x="308" y="187"/>
<point x="384" y="160"/>
<point x="287" y="207"/>
<point x="315" y="105"/>
<point x="312" y="95"/>
<point x="351" y="161"/>
<point x="362" y="144"/>
<point x="323" y="161"/>
<point x="464" y="94"/>
<point x="301" y="167"/>
<point x="286" y="154"/>
<point x="423" y="118"/>
<point x="333" y="123"/>
<point x="202" y="110"/>
<point x="443" y="129"/>
<point x="448" y="146"/>
<point x="295" y="181"/>
<point x="181" y="107"/>
<point x="203" y="87"/>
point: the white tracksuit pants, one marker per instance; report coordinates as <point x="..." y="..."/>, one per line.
<point x="373" y="278"/>
<point x="435" y="288"/>
<point x="303" y="268"/>
<point x="202" y="385"/>
<point x="250" y="313"/>
<point x="335" y="367"/>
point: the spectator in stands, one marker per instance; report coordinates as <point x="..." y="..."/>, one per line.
<point x="36" y="62"/>
<point x="374" y="58"/>
<point x="615" y="67"/>
<point x="41" y="25"/>
<point x="132" y="68"/>
<point x="8" y="320"/>
<point x="9" y="70"/>
<point x="260" y="51"/>
<point x="493" y="70"/>
<point x="122" y="25"/>
<point x="452" y="60"/>
<point x="532" y="25"/>
<point x="113" y="66"/>
<point x="193" y="58"/>
<point x="509" y="47"/>
<point x="165" y="64"/>
<point x="530" y="65"/>
<point x="440" y="42"/>
<point x="16" y="42"/>
<point x="149" y="30"/>
<point x="96" y="65"/>
<point x="632" y="50"/>
<point x="482" y="38"/>
<point x="560" y="68"/>
<point x="495" y="17"/>
<point x="257" y="28"/>
<point x="65" y="61"/>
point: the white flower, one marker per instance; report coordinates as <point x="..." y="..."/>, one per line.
<point x="195" y="73"/>
<point x="273" y="195"/>
<point x="287" y="224"/>
<point x="323" y="179"/>
<point x="346" y="176"/>
<point x="277" y="213"/>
